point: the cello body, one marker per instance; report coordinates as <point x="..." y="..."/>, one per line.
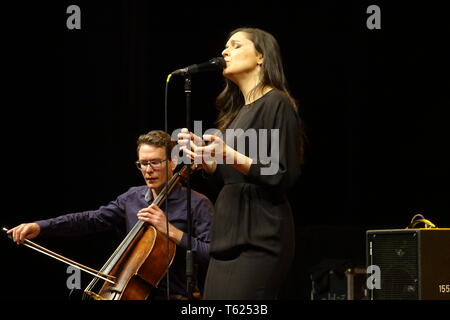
<point x="141" y="267"/>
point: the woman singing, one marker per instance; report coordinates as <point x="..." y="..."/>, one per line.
<point x="258" y="156"/>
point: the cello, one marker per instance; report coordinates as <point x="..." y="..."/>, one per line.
<point x="137" y="265"/>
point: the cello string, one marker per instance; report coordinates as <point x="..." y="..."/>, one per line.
<point x="117" y="254"/>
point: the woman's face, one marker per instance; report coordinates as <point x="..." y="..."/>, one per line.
<point x="240" y="56"/>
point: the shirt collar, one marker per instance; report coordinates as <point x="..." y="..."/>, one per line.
<point x="148" y="195"/>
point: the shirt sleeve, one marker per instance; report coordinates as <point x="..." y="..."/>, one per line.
<point x="202" y="215"/>
<point x="278" y="161"/>
<point x="105" y="218"/>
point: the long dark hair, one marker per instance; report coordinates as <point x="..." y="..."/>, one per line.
<point x="231" y="99"/>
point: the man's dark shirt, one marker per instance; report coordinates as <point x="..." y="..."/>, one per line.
<point x="122" y="212"/>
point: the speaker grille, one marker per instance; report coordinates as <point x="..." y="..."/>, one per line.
<point x="396" y="255"/>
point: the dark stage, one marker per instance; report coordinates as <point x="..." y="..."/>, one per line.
<point x="374" y="104"/>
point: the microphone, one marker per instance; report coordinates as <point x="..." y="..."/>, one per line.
<point x="211" y="65"/>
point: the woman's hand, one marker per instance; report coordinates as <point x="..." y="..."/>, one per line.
<point x="190" y="143"/>
<point x="216" y="151"/>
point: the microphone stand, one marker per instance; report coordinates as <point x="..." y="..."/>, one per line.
<point x="189" y="253"/>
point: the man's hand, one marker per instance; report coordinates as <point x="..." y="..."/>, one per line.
<point x="24" y="231"/>
<point x="156" y="217"/>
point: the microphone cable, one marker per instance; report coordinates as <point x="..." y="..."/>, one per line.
<point x="415" y="221"/>
<point x="166" y="189"/>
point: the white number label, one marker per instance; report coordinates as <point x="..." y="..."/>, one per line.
<point x="444" y="288"/>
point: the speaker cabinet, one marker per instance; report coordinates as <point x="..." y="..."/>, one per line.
<point x="413" y="263"/>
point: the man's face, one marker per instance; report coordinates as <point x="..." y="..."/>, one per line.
<point x="154" y="173"/>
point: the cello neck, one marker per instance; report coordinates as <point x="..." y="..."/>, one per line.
<point x="159" y="200"/>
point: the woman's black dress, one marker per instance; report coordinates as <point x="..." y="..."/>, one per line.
<point x="252" y="235"/>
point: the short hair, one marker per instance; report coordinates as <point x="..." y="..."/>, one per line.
<point x="157" y="138"/>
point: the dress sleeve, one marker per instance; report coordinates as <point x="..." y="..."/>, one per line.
<point x="278" y="160"/>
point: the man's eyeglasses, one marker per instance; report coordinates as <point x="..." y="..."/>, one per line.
<point x="155" y="164"/>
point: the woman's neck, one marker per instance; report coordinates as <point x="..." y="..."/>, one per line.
<point x="254" y="93"/>
<point x="248" y="85"/>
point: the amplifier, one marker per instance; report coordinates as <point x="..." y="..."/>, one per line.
<point x="412" y="263"/>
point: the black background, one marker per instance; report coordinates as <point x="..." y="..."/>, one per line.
<point x="374" y="103"/>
